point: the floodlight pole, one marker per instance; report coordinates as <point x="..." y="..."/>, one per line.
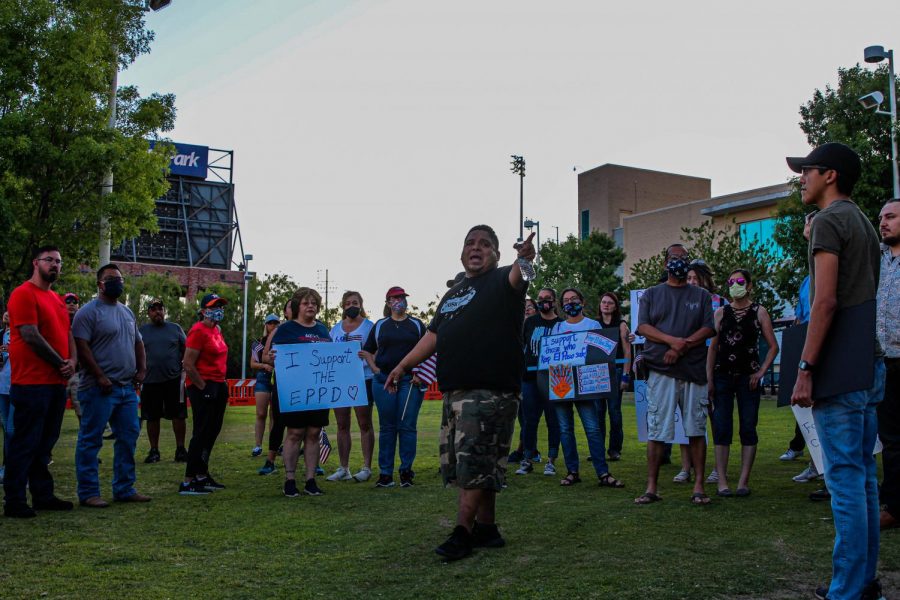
<point x="893" y="99"/>
<point x="518" y="167"/>
<point x="247" y="278"/>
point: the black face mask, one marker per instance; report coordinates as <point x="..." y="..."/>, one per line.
<point x="352" y="312"/>
<point x="545" y="306"/>
<point x="113" y="289"/>
<point x="678" y="268"/>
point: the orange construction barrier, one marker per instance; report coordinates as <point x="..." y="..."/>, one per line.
<point x="240" y="392"/>
<point x="433" y="392"/>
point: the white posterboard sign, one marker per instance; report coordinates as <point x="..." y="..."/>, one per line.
<point x="640" y="405"/>
<point x="635" y="313"/>
<point x="804" y="417"/>
<point x="319" y="376"/>
<point x="563" y="349"/>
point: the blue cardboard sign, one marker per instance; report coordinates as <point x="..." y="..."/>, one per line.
<point x="319" y="376"/>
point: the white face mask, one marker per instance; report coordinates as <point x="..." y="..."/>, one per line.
<point x="737" y="291"/>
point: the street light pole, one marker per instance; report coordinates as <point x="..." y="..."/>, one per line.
<point x="518" y="167"/>
<point x="247" y="278"/>
<point x="876" y="54"/>
<point x="557" y="233"/>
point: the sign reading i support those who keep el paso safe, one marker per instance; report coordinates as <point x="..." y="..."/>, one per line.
<point x="579" y="365"/>
<point x="319" y="376"/>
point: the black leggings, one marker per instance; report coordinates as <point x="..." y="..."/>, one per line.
<point x="276" y="434"/>
<point x="208" y="411"/>
<point x="798" y="443"/>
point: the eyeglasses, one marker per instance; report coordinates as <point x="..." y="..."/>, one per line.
<point x="737" y="280"/>
<point x="51" y="260"/>
<point x="71" y="301"/>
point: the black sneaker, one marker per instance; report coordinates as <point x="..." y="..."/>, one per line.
<point x="152" y="456"/>
<point x="487" y="536"/>
<point x="52" y="503"/>
<point x="822" y="592"/>
<point x="820" y="495"/>
<point x="290" y="488"/>
<point x="406" y="478"/>
<point x="211" y="484"/>
<point x="181" y="455"/>
<point x="872" y="591"/>
<point x="19" y="511"/>
<point x="311" y="489"/>
<point x="384" y="481"/>
<point x="457" y="546"/>
<point x="193" y="488"/>
<point x="515" y="456"/>
<point x="614" y="456"/>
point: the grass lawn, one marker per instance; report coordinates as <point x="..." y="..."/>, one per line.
<point x="249" y="541"/>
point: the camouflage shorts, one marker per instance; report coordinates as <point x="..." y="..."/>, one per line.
<point x="476" y="429"/>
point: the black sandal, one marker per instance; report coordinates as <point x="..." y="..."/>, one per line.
<point x="607" y="480"/>
<point x="570" y="479"/>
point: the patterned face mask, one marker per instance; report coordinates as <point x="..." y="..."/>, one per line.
<point x="573" y="309"/>
<point x="678" y="268"/>
<point x="214" y="314"/>
<point x="398" y="305"/>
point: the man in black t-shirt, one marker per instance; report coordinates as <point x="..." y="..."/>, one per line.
<point x="481" y="382"/>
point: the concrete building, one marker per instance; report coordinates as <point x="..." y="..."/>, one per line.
<point x="644" y="211"/>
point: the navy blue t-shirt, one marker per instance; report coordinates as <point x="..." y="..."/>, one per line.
<point x="292" y="332"/>
<point x="394" y="341"/>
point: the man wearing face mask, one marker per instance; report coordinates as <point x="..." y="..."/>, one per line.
<point x="676" y="318"/>
<point x="111" y="352"/>
<point x="533" y="402"/>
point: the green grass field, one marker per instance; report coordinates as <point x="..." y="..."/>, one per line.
<point x="249" y="541"/>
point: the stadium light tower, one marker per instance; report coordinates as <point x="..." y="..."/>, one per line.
<point x="518" y="167"/>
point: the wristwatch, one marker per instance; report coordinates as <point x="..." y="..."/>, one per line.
<point x="805" y="366"/>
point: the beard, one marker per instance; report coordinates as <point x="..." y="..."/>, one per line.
<point x="49" y="276"/>
<point x="890" y="240"/>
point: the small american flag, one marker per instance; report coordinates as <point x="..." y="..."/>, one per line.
<point x="256" y="349"/>
<point x="324" y="447"/>
<point x="427" y="370"/>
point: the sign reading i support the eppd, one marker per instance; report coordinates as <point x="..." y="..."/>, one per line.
<point x="319" y="376"/>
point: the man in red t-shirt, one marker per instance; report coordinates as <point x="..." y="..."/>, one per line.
<point x="42" y="357"/>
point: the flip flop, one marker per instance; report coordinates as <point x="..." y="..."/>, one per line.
<point x="700" y="499"/>
<point x="725" y="493"/>
<point x="648" y="498"/>
<point x="742" y="492"/>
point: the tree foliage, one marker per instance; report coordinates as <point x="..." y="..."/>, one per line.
<point x="588" y="264"/>
<point x="834" y="115"/>
<point x="722" y="251"/>
<point x="57" y="60"/>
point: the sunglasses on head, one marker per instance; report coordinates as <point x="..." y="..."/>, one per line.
<point x="737" y="280"/>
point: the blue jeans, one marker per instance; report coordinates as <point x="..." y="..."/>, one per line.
<point x="6" y="424"/>
<point x="847" y="425"/>
<point x="590" y="419"/>
<point x="727" y="388"/>
<point x="393" y="424"/>
<point x="120" y="409"/>
<point x="614" y="406"/>
<point x="534" y="404"/>
<point x="39" y="411"/>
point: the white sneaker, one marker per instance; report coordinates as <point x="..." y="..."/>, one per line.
<point x="713" y="477"/>
<point x="549" y="469"/>
<point x="525" y="467"/>
<point x="363" y="475"/>
<point x="790" y="455"/>
<point x="808" y="474"/>
<point x="341" y="474"/>
<point x="682" y="477"/>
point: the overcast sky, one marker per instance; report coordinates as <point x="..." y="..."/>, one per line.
<point x="369" y="136"/>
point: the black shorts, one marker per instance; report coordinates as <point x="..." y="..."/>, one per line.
<point x="299" y="419"/>
<point x="164" y="400"/>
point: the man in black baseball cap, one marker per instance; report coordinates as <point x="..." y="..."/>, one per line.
<point x="844" y="264"/>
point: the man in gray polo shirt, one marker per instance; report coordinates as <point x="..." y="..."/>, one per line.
<point x="162" y="395"/>
<point x="112" y="358"/>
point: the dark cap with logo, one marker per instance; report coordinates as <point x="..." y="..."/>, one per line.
<point x="832" y="155"/>
<point x="154" y="303"/>
<point x="212" y="301"/>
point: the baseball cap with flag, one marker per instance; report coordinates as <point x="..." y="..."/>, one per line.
<point x="212" y="301"/>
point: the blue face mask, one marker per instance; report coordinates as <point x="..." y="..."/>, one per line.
<point x="678" y="268"/>
<point x="573" y="309"/>
<point x="214" y="314"/>
<point x="398" y="305"/>
<point x="113" y="289"/>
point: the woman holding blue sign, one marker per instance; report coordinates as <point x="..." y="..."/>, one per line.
<point x="305" y="424"/>
<point x="572" y="304"/>
<point x="388" y="343"/>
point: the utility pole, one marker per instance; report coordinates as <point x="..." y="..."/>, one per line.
<point x="557" y="233"/>
<point x="518" y="168"/>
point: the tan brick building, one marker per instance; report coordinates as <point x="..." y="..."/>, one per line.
<point x="644" y="210"/>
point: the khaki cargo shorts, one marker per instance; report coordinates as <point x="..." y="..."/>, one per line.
<point x="476" y="430"/>
<point x="664" y="393"/>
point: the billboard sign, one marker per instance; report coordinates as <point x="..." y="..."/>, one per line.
<point x="189" y="160"/>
